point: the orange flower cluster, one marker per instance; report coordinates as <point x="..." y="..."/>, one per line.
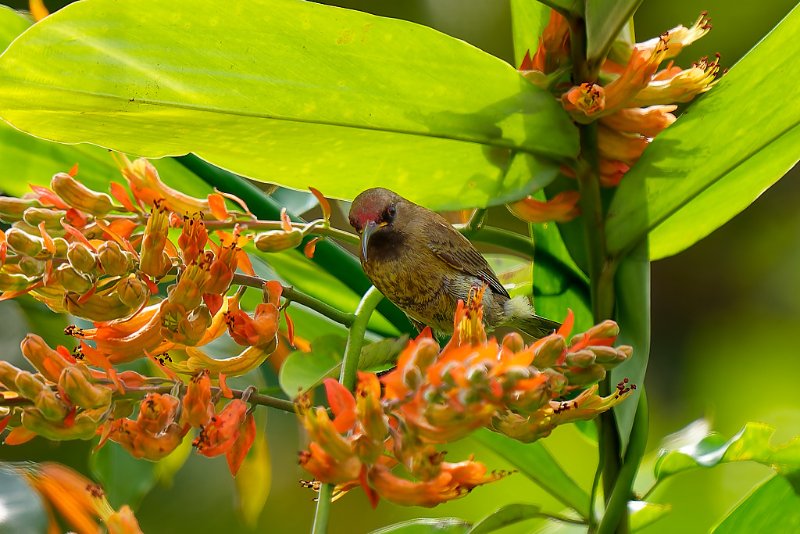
<point x="632" y="100"/>
<point x="100" y="257"/>
<point x="435" y="397"/>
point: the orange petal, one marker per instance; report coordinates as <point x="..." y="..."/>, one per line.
<point x="342" y="403"/>
<point x="223" y="387"/>
<point x="566" y="326"/>
<point x="310" y="247"/>
<point x="286" y="223"/>
<point x="323" y="203"/>
<point x="236" y="454"/>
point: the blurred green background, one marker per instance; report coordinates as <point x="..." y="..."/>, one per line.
<point x="724" y="314"/>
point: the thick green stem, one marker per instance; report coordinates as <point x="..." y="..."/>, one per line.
<point x="617" y="505"/>
<point x="355" y="338"/>
<point x="347" y="377"/>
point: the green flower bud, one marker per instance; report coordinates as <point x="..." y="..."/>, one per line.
<point x="79" y="196"/>
<point x="549" y="351"/>
<point x="71" y="280"/>
<point x="23" y="242"/>
<point x="8" y="375"/>
<point x="581" y="358"/>
<point x="513" y="341"/>
<point x="76" y="381"/>
<point x="278" y="240"/>
<point x="50" y="217"/>
<point x="14" y="281"/>
<point x="12" y="208"/>
<point x="132" y="291"/>
<point x="81" y="258"/>
<point x="31" y="266"/>
<point x="113" y="260"/>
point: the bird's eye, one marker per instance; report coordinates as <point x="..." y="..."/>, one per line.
<point x="391" y="211"/>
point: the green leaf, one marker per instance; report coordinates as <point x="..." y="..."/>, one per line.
<point x="125" y="479"/>
<point x="507" y="515"/>
<point x="643" y="514"/>
<point x="605" y="20"/>
<point x="288" y="92"/>
<point x="12" y="23"/>
<point x="752" y="443"/>
<point x="772" y="507"/>
<point x="22" y="509"/>
<point x="303" y="370"/>
<point x="633" y="315"/>
<point x="528" y="20"/>
<point x="535" y="462"/>
<point x="718" y="157"/>
<point x="297" y="202"/>
<point x="426" y="525"/>
<point x="254" y="480"/>
<point x="558" y="283"/>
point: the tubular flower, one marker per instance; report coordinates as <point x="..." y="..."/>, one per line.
<point x="78" y="501"/>
<point x="154" y="260"/>
<point x="193" y="238"/>
<point x="561" y="208"/>
<point x="256" y="331"/>
<point x="230" y="432"/>
<point x="437" y="396"/>
<point x="631" y="97"/>
<point x="197" y="405"/>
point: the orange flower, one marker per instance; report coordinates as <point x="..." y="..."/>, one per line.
<point x="77" y="500"/>
<point x="154" y="260"/>
<point x="193" y="238"/>
<point x="648" y="122"/>
<point x="257" y="331"/>
<point x="223" y="429"/>
<point x="453" y="481"/>
<point x="197" y="405"/>
<point x="561" y="208"/>
<point x="553" y="49"/>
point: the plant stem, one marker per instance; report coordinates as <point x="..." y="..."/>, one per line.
<point x="317" y="227"/>
<point x="141" y="391"/>
<point x="294" y="295"/>
<point x="323" y="509"/>
<point x="347" y="377"/>
<point x="617" y="507"/>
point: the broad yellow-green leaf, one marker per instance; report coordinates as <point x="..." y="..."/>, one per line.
<point x="505" y="516"/>
<point x="528" y="20"/>
<point x="426" y="525"/>
<point x="643" y="514"/>
<point x="720" y="155"/>
<point x="285" y="91"/>
<point x="254" y="479"/>
<point x="605" y="20"/>
<point x="772" y="507"/>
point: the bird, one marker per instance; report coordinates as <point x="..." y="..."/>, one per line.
<point x="424" y="266"/>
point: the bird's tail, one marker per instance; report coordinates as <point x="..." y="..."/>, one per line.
<point x="520" y="314"/>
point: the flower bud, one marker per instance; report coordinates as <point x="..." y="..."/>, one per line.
<point x="12" y="208"/>
<point x="76" y="382"/>
<point x="132" y="291"/>
<point x="581" y="358"/>
<point x="83" y="427"/>
<point x="8" y="375"/>
<point x="62" y="247"/>
<point x="49" y="216"/>
<point x="81" y="258"/>
<point x="513" y="341"/>
<point x="181" y="327"/>
<point x="105" y="306"/>
<point x="188" y="292"/>
<point x="278" y="240"/>
<point x="45" y="399"/>
<point x="14" y="281"/>
<point x="608" y="330"/>
<point x="153" y="260"/>
<point x="113" y="260"/>
<point x="31" y="266"/>
<point x="582" y="376"/>
<point x="24" y="242"/>
<point x="79" y="196"/>
<point x="50" y="363"/>
<point x="71" y="280"/>
<point x="549" y="351"/>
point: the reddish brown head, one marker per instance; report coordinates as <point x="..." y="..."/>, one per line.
<point x="373" y="210"/>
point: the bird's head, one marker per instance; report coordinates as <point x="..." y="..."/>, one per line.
<point x="374" y="210"/>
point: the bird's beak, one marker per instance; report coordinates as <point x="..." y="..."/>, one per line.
<point x="369" y="228"/>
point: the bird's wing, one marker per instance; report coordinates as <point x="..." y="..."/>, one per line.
<point x="457" y="252"/>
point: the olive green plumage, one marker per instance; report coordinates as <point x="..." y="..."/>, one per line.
<point x="424" y="265"/>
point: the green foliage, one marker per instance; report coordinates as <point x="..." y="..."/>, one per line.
<point x="424" y="525"/>
<point x="505" y="516"/>
<point x="772" y="507"/>
<point x="371" y="106"/>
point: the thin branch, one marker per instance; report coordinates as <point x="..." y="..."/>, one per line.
<point x="294" y="295"/>
<point x="141" y="391"/>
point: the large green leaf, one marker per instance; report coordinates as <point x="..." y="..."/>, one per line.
<point x="605" y="20"/>
<point x="772" y="507"/>
<point x="285" y="91"/>
<point x="722" y="153"/>
<point x="752" y="443"/>
<point x="632" y="285"/>
<point x="644" y="514"/>
<point x="535" y="462"/>
<point x="22" y="509"/>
